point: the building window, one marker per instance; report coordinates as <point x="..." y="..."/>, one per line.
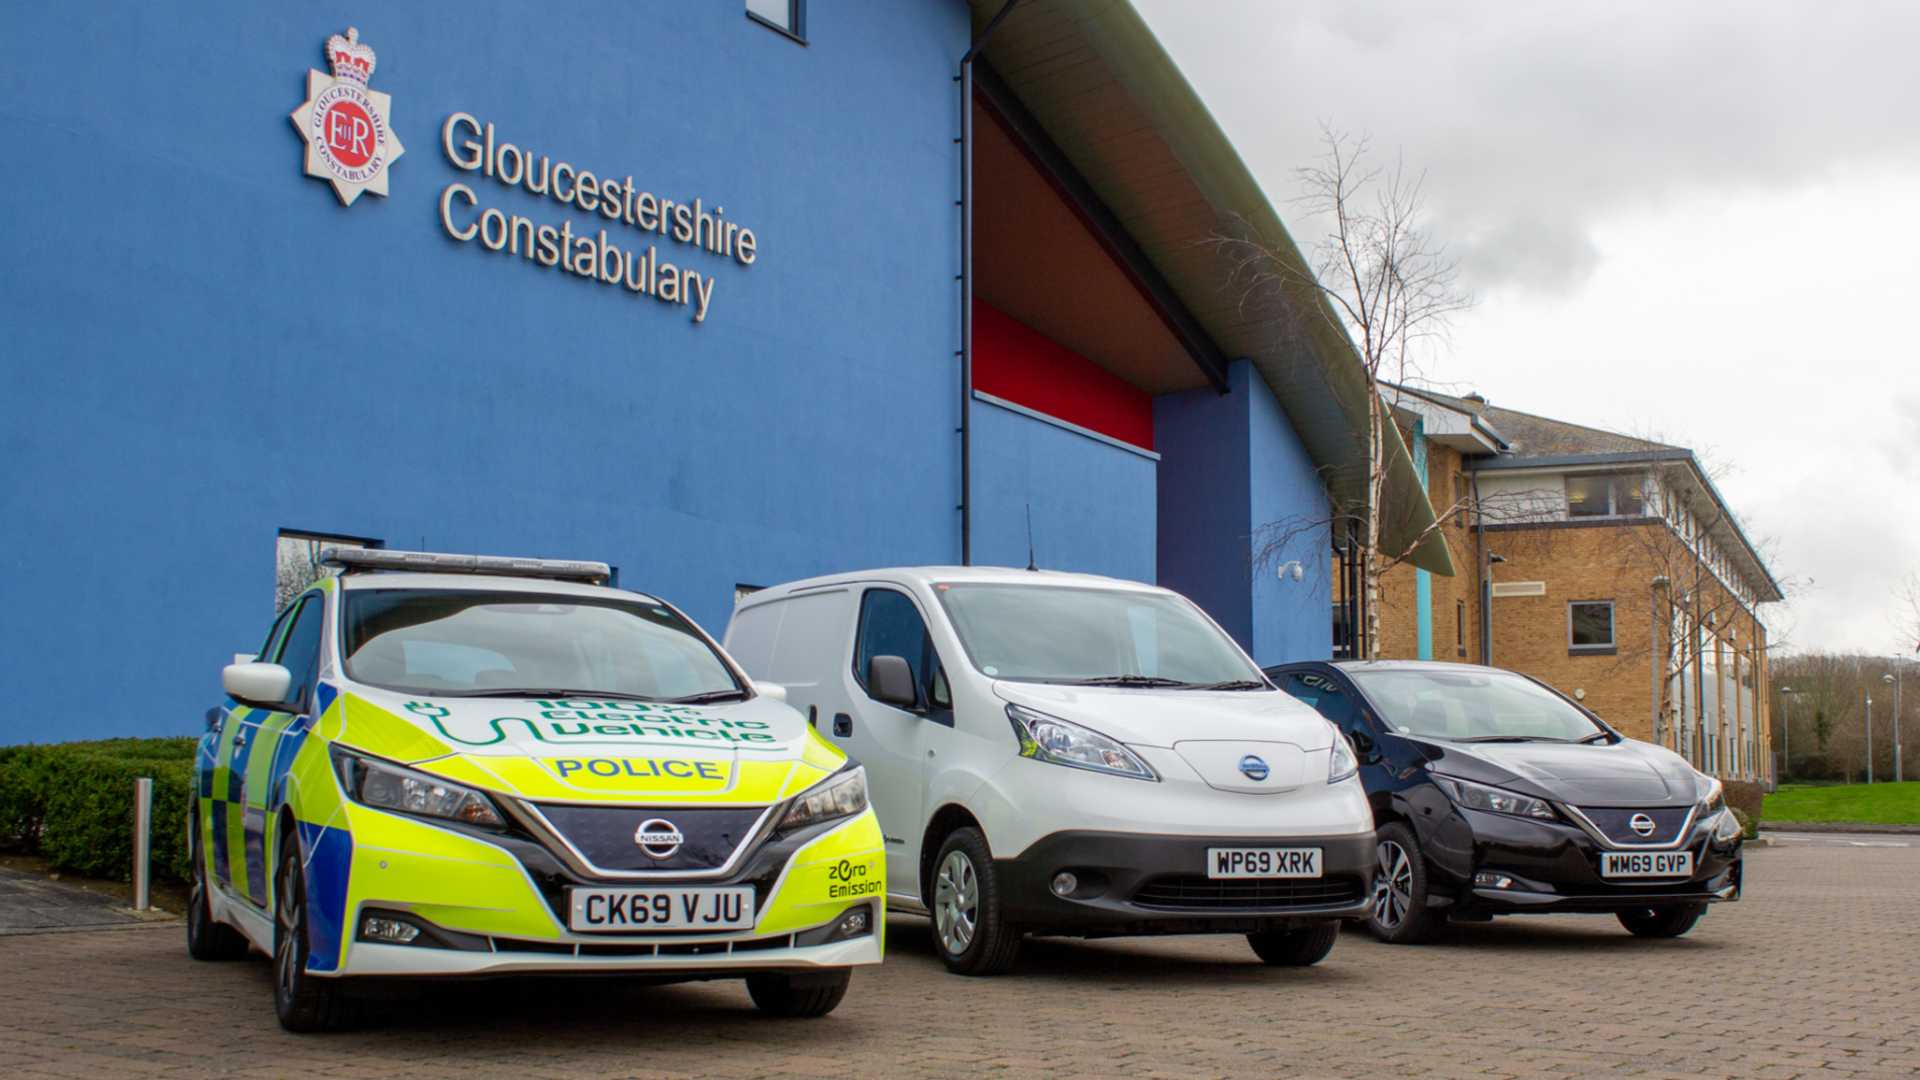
<point x="1460" y="627"/>
<point x="1590" y="626"/>
<point x="1592" y="495"/>
<point x="787" y="16"/>
<point x="296" y="561"/>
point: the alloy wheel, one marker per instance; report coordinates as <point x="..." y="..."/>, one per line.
<point x="1392" y="885"/>
<point x="291" y="917"/>
<point x="956" y="902"/>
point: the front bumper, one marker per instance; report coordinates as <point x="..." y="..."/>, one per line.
<point x="1131" y="883"/>
<point x="1555" y="867"/>
<point x="494" y="903"/>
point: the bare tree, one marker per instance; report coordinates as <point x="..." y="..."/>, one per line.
<point x="1907" y="618"/>
<point x="1391" y="290"/>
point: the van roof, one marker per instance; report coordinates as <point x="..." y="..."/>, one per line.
<point x="932" y="575"/>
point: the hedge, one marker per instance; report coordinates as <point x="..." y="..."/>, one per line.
<point x="73" y="804"/>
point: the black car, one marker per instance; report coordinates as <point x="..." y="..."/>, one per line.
<point x="1495" y="795"/>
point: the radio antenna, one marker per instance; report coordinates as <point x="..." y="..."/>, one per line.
<point x="1031" y="564"/>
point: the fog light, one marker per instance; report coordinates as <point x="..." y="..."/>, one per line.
<point x="391" y="931"/>
<point x="854" y="922"/>
<point x="1064" y="883"/>
<point x="1488" y="880"/>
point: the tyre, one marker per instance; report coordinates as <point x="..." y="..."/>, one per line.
<point x="1668" y="921"/>
<point x="304" y="1003"/>
<point x="802" y="999"/>
<point x="207" y="939"/>
<point x="1304" y="947"/>
<point x="969" y="932"/>
<point x="1400" y="915"/>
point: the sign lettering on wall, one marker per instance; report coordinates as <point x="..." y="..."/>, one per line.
<point x="630" y="257"/>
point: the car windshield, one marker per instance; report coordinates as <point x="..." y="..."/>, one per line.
<point x="463" y="642"/>
<point x="1049" y="633"/>
<point x="1468" y="705"/>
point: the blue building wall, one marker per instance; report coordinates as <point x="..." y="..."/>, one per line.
<point x="1238" y="498"/>
<point x="1093" y="503"/>
<point x="204" y="347"/>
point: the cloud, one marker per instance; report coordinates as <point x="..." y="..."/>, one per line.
<point x="1536" y="122"/>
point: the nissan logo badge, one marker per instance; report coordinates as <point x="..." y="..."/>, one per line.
<point x="658" y="837"/>
<point x="1641" y="824"/>
<point x="1254" y="768"/>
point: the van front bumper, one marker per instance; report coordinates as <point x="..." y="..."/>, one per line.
<point x="1130" y="883"/>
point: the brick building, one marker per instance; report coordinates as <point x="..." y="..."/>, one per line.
<point x="1603" y="564"/>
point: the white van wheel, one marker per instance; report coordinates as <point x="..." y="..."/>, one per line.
<point x="968" y="930"/>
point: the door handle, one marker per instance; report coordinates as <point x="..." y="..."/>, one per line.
<point x="842" y="725"/>
<point x="813" y="717"/>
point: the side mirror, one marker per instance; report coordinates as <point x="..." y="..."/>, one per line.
<point x="771" y="689"/>
<point x="261" y="686"/>
<point x="890" y="680"/>
<point x="1363" y="745"/>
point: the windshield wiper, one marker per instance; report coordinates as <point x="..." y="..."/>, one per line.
<point x="709" y="697"/>
<point x="1598" y="736"/>
<point x="1512" y="738"/>
<point x="554" y="692"/>
<point x="1127" y="680"/>
<point x="1236" y="684"/>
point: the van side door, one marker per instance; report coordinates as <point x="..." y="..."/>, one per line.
<point x="897" y="744"/>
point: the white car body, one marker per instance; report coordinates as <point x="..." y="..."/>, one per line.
<point x="924" y="774"/>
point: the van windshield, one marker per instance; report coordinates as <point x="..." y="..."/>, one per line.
<point x="1115" y="637"/>
<point x="472" y="643"/>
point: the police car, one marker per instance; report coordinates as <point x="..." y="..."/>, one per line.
<point x="446" y="765"/>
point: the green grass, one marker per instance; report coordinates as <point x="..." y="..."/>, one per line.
<point x="1874" y="804"/>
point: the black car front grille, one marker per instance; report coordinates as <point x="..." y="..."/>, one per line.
<point x="605" y="835"/>
<point x="1616" y="823"/>
<point x="1193" y="892"/>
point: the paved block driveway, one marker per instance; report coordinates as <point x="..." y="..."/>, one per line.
<point x="1817" y="973"/>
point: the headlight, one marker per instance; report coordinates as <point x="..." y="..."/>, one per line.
<point x="843" y="794"/>
<point x="1727" y="829"/>
<point x="386" y="786"/>
<point x="1343" y="764"/>
<point x="1492" y="799"/>
<point x="1715" y="799"/>
<point x="1049" y="738"/>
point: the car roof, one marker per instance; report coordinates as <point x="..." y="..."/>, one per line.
<point x="932" y="575"/>
<point x="408" y="579"/>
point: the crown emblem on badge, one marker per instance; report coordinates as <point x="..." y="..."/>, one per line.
<point x="348" y="127"/>
<point x="351" y="60"/>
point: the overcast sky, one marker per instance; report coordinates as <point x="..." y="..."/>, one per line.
<point x="1698" y="221"/>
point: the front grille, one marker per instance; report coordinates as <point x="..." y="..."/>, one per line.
<point x="1193" y="892"/>
<point x="604" y="835"/>
<point x="1615" y="823"/>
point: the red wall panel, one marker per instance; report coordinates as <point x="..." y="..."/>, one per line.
<point x="1014" y="361"/>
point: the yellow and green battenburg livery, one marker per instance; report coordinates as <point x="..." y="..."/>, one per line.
<point x="486" y="822"/>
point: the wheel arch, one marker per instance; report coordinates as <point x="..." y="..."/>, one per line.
<point x="944" y="822"/>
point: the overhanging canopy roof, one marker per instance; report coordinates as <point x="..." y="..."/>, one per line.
<point x="1094" y="76"/>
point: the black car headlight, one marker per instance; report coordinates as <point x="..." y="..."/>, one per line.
<point x="1472" y="796"/>
<point x="843" y="794"/>
<point x="386" y="786"/>
<point x="1715" y="798"/>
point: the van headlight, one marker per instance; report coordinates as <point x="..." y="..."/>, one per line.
<point x="1343" y="763"/>
<point x="386" y="786"/>
<point x="1051" y="739"/>
<point x="843" y="794"/>
<point x="1492" y="799"/>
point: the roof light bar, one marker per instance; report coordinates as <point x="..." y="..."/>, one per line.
<point x="434" y="562"/>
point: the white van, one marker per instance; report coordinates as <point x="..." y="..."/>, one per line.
<point x="1065" y="754"/>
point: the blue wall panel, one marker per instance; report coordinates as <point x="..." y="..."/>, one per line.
<point x="1239" y="497"/>
<point x="204" y="347"/>
<point x="1093" y="503"/>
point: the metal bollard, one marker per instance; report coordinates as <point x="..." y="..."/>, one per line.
<point x="142" y="840"/>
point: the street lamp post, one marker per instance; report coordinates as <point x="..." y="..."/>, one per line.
<point x="1898" y="773"/>
<point x="1786" y="729"/>
<point x="1869" y="736"/>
